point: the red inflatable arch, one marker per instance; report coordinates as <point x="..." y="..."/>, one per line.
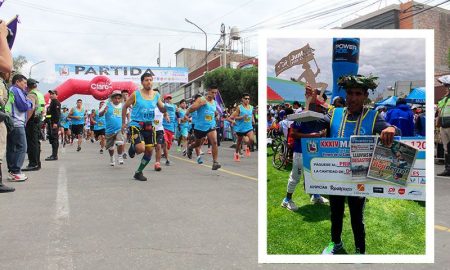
<point x="100" y="87"/>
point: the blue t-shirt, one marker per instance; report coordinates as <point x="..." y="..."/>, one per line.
<point x="170" y="109"/>
<point x="143" y="109"/>
<point x="304" y="127"/>
<point x="113" y="118"/>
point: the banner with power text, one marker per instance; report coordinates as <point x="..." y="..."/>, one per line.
<point x="327" y="170"/>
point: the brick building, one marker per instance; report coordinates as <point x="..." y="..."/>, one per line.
<point x="413" y="15"/>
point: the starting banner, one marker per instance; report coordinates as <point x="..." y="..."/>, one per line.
<point x="121" y="73"/>
<point x="327" y="170"/>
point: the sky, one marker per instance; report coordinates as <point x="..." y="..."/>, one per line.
<point x="389" y="59"/>
<point x="128" y="32"/>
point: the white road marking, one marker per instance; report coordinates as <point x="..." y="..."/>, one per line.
<point x="59" y="253"/>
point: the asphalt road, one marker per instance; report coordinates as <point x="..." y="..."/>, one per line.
<point x="80" y="213"/>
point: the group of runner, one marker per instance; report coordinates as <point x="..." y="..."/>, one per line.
<point x="148" y="121"/>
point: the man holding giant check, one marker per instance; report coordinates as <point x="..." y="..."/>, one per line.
<point x="355" y="119"/>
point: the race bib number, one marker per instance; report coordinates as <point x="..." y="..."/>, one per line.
<point x="247" y="118"/>
<point x="156" y="122"/>
<point x="117" y="112"/>
<point x="208" y="118"/>
<point x="149" y="115"/>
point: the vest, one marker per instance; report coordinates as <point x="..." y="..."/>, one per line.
<point x="41" y="101"/>
<point x="341" y="128"/>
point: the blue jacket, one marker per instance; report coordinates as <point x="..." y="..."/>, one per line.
<point x="403" y="118"/>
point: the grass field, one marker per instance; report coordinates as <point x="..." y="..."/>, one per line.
<point x="392" y="226"/>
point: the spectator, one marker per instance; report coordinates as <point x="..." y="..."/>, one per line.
<point x="32" y="128"/>
<point x="16" y="145"/>
<point x="54" y="114"/>
<point x="296" y="106"/>
<point x="6" y="63"/>
<point x="402" y="117"/>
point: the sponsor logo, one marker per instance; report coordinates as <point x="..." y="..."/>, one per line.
<point x="401" y="191"/>
<point x="361" y="187"/>
<point x="337" y="188"/>
<point x="378" y="190"/>
<point x="101" y="83"/>
<point x="318" y="187"/>
<point x="391" y="190"/>
<point x="415" y="192"/>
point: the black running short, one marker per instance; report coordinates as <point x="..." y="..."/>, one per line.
<point x="242" y="134"/>
<point x="99" y="132"/>
<point x="77" y="129"/>
<point x="145" y="134"/>
<point x="199" y="134"/>
<point x="160" y="137"/>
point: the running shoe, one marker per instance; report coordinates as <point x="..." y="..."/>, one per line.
<point x="319" y="200"/>
<point x="92" y="140"/>
<point x="112" y="161"/>
<point x="247" y="152"/>
<point x="236" y="157"/>
<point x="201" y="153"/>
<point x="124" y="155"/>
<point x="199" y="160"/>
<point x="168" y="163"/>
<point x="120" y="159"/>
<point x="78" y="148"/>
<point x="189" y="153"/>
<point x="140" y="176"/>
<point x="131" y="151"/>
<point x="333" y="248"/>
<point x="17" y="177"/>
<point x="216" y="165"/>
<point x="289" y="205"/>
<point x="101" y="151"/>
<point x="184" y="152"/>
<point x="158" y="167"/>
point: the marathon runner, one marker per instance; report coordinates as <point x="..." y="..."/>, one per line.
<point x="169" y="124"/>
<point x="184" y="126"/>
<point x="99" y="126"/>
<point x="76" y="115"/>
<point x="243" y="120"/>
<point x="158" y="123"/>
<point x="142" y="131"/>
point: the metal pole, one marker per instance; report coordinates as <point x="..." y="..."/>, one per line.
<point x="206" y="42"/>
<point x="222" y="30"/>
<point x="29" y="73"/>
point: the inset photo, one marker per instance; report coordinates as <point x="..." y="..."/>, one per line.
<point x="346" y="142"/>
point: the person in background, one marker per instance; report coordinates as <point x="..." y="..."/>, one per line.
<point x="54" y="110"/>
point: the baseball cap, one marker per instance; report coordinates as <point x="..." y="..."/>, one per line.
<point x="444" y="79"/>
<point x="53" y="92"/>
<point x="166" y="96"/>
<point x="31" y="81"/>
<point x="116" y="92"/>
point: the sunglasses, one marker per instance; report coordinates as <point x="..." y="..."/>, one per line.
<point x="247" y="98"/>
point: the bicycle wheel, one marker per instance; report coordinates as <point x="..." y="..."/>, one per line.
<point x="279" y="155"/>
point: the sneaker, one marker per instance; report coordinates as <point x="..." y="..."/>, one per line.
<point x="289" y="205"/>
<point x="333" y="248"/>
<point x="78" y="148"/>
<point x="112" y="161"/>
<point x="5" y="189"/>
<point x="92" y="140"/>
<point x="131" y="151"/>
<point x="101" y="151"/>
<point x="209" y="151"/>
<point x="168" y="163"/>
<point x="158" y="167"/>
<point x="247" y="152"/>
<point x="19" y="177"/>
<point x="199" y="160"/>
<point x="184" y="152"/>
<point x="358" y="252"/>
<point x="120" y="159"/>
<point x="201" y="153"/>
<point x="140" y="176"/>
<point x="189" y="153"/>
<point x="124" y="155"/>
<point x="216" y="165"/>
<point x="236" y="157"/>
<point x="319" y="200"/>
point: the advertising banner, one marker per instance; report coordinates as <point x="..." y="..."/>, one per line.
<point x="121" y="73"/>
<point x="327" y="170"/>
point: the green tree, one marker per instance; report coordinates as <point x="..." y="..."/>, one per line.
<point x="18" y="62"/>
<point x="233" y="82"/>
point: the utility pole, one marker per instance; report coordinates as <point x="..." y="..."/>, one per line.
<point x="224" y="52"/>
<point x="159" y="55"/>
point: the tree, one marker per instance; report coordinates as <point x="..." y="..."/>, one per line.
<point x="232" y="83"/>
<point x="18" y="62"/>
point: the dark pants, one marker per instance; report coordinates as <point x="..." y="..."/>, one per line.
<point x="53" y="139"/>
<point x="32" y="130"/>
<point x="356" y="206"/>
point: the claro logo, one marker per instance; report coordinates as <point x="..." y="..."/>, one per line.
<point x="100" y="84"/>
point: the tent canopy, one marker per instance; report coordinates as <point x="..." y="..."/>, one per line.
<point x="416" y="96"/>
<point x="390" y="101"/>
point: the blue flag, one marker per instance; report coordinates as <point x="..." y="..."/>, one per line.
<point x="219" y="103"/>
<point x="12" y="26"/>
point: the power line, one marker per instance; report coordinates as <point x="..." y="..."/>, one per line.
<point x="347" y="14"/>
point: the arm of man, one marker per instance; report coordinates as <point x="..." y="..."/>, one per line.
<point x="56" y="113"/>
<point x="127" y="104"/>
<point x="6" y="60"/>
<point x="33" y="100"/>
<point x="23" y="104"/>
<point x="92" y="118"/>
<point x="103" y="111"/>
<point x="386" y="131"/>
<point x="161" y="106"/>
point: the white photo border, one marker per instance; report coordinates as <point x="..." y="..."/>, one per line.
<point x="263" y="257"/>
